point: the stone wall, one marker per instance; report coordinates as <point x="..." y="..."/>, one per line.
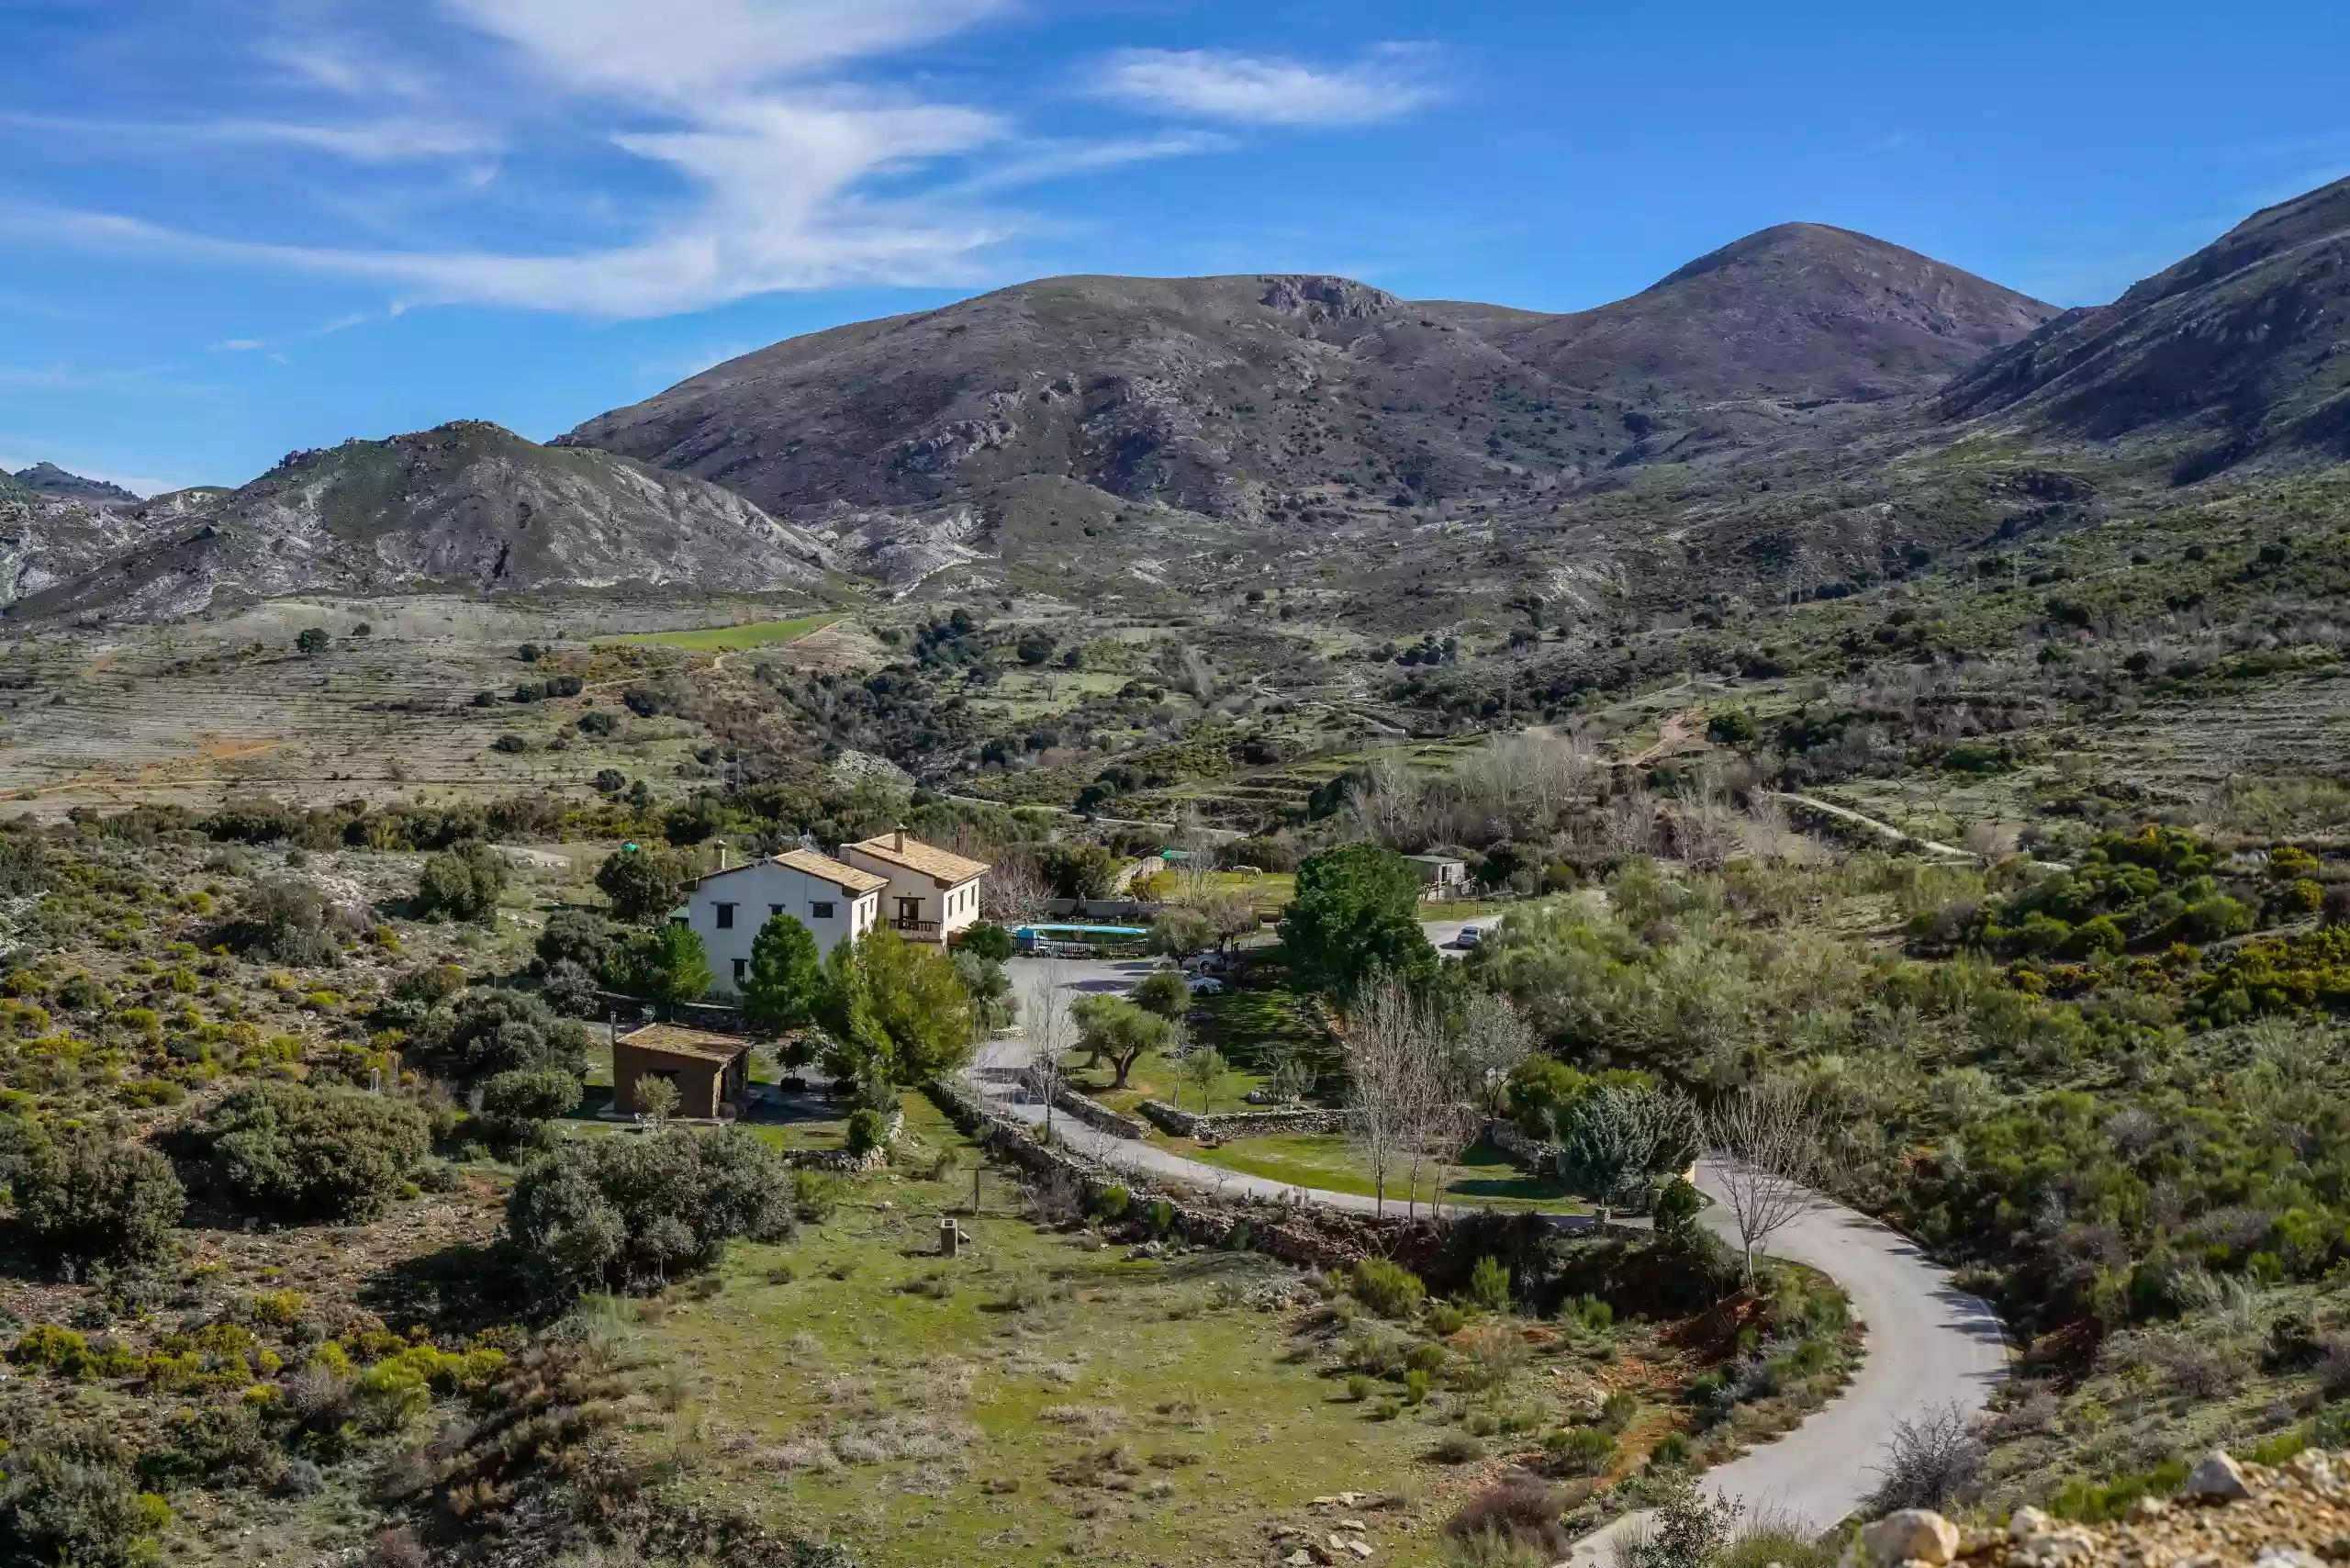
<point x="1538" y="1155"/>
<point x="1093" y="1113"/>
<point x="1223" y="1124"/>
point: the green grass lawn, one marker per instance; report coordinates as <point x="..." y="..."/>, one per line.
<point x="1324" y="1159"/>
<point x="729" y="638"/>
<point x="1153" y="1078"/>
<point x="1043" y="1398"/>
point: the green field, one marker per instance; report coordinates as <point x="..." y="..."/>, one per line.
<point x="732" y="639"/>
<point x="1485" y="1178"/>
<point x="1045" y="1397"/>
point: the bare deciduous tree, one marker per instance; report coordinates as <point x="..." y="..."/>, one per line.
<point x="1771" y="1151"/>
<point x="1014" y="892"/>
<point x="1929" y="1462"/>
<point x="1049" y="1020"/>
<point x="1392" y="1048"/>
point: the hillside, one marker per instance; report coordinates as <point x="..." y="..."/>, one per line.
<point x="467" y="505"/>
<point x="1253" y="397"/>
<point x="2241" y="348"/>
<point x="1801" y="312"/>
<point x="49" y="480"/>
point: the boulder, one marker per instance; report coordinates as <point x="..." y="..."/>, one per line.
<point x="2219" y="1479"/>
<point x="1913" y="1535"/>
<point x="2027" y="1521"/>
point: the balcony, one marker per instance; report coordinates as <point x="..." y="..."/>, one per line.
<point x="915" y="927"/>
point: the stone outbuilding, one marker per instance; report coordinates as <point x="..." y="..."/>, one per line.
<point x="709" y="1070"/>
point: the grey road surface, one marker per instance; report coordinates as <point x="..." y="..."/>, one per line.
<point x="1929" y="1344"/>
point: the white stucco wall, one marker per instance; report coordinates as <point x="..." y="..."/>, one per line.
<point x="760" y="889"/>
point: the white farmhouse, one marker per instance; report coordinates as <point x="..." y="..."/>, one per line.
<point x="931" y="894"/>
<point x="837" y="903"/>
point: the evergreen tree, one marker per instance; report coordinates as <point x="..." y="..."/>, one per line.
<point x="780" y="993"/>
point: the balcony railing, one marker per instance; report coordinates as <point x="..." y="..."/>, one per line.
<point x="916" y="927"/>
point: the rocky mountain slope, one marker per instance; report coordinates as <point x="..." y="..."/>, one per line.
<point x="468" y="505"/>
<point x="2241" y="348"/>
<point x="1253" y="397"/>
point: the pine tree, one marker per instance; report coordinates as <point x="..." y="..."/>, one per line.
<point x="779" y="994"/>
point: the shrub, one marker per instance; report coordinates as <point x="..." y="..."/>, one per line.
<point x="463" y="883"/>
<point x="286" y="1151"/>
<point x="82" y="1194"/>
<point x="1931" y="1461"/>
<point x="1519" y="1514"/>
<point x="1457" y="1448"/>
<point x="1386" y="1288"/>
<point x="77" y="1505"/>
<point x="1676" y="1211"/>
<point x="596" y="721"/>
<point x="282" y="921"/>
<point x="490" y="1032"/>
<point x="1582" y="1451"/>
<point x="989" y="940"/>
<point x="867" y="1129"/>
<point x="628" y="1213"/>
<point x="644" y="884"/>
<point x="1489" y="1284"/>
<point x="1415" y="1385"/>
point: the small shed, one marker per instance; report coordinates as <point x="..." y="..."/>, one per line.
<point x="1439" y="873"/>
<point x="708" y="1069"/>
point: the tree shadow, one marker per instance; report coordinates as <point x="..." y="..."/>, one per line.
<point x="457" y="1290"/>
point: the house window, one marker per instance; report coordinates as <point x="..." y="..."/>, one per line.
<point x="820" y="911"/>
<point x="739" y="965"/>
<point x="909" y="911"/>
<point x="773" y="910"/>
<point x="725" y="915"/>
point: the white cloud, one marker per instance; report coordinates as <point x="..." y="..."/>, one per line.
<point x="375" y="141"/>
<point x="239" y="345"/>
<point x="1387" y="82"/>
<point x="682" y="51"/>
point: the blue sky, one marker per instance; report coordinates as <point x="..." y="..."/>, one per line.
<point x="233" y="228"/>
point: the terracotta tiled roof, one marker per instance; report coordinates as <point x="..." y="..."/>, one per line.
<point x="942" y="866"/>
<point x="672" y="1039"/>
<point x="848" y="878"/>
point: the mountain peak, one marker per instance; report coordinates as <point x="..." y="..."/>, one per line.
<point x="49" y="480"/>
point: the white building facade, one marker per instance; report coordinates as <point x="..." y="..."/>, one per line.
<point x="837" y="903"/>
<point x="931" y="893"/>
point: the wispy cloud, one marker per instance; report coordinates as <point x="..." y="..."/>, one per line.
<point x="1386" y="83"/>
<point x="677" y="154"/>
<point x="391" y="140"/>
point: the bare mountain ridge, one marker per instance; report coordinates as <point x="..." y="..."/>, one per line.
<point x="466" y="505"/>
<point x="1237" y="396"/>
<point x="49" y="480"/>
<point x="2241" y="348"/>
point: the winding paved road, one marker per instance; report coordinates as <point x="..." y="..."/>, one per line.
<point x="1928" y="1344"/>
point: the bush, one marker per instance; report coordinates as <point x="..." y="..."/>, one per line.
<point x="1931" y="1461"/>
<point x="596" y="721"/>
<point x="1388" y="1288"/>
<point x="1677" y="1207"/>
<point x="989" y="940"/>
<point x="77" y="1505"/>
<point x="463" y="883"/>
<point x="646" y="884"/>
<point x="1582" y="1451"/>
<point x="571" y="990"/>
<point x="282" y="921"/>
<point x="626" y="1213"/>
<point x="1519" y="1514"/>
<point x="490" y="1032"/>
<point x="867" y="1129"/>
<point x="1489" y="1284"/>
<point x="514" y="1103"/>
<point x="286" y="1151"/>
<point x="82" y="1194"/>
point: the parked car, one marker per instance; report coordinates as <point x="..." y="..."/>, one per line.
<point x="1470" y="937"/>
<point x="1204" y="985"/>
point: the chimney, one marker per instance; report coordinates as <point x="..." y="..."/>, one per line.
<point x="898" y="839"/>
<point x="721" y="854"/>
